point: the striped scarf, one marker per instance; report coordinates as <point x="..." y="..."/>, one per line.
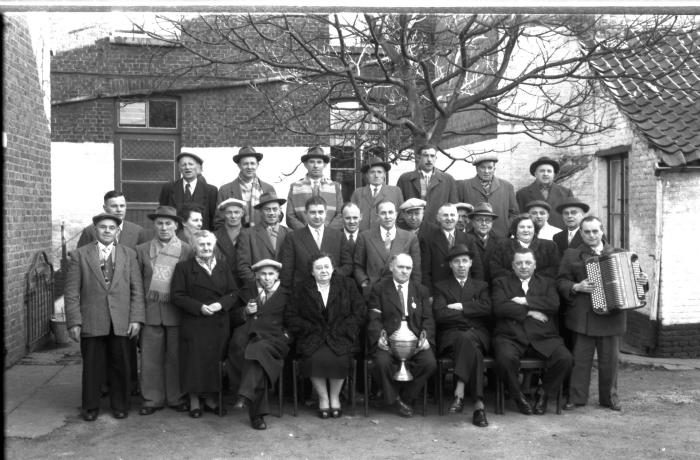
<point x="250" y="193"/>
<point x="302" y="190"/>
<point x="163" y="258"/>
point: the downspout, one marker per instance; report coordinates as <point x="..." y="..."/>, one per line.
<point x="655" y="308"/>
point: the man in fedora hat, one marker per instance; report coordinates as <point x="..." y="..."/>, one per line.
<point x="482" y="234"/>
<point x="104" y="310"/>
<point x="463" y="210"/>
<point x="539" y="212"/>
<point x="262" y="241"/>
<point x="314" y="184"/>
<point x="128" y="233"/>
<point x="190" y="188"/>
<point x="428" y="183"/>
<point x="486" y="187"/>
<point x="376" y="191"/>
<point x="573" y="211"/>
<point x="545" y="170"/>
<point x="160" y="335"/>
<point x="246" y="187"/>
<point x="462" y="310"/>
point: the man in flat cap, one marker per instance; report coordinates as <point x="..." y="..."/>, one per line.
<point x="227" y="237"/>
<point x="314" y="184"/>
<point x="411" y="213"/>
<point x="573" y="211"/>
<point x="262" y="241"/>
<point x="545" y="170"/>
<point x="191" y="188"/>
<point x="104" y="310"/>
<point x="462" y="311"/>
<point x="259" y="342"/>
<point x="376" y="191"/>
<point x="486" y="187"/>
<point x="128" y="233"/>
<point x="160" y="335"/>
<point x="539" y="211"/>
<point x="463" y="210"/>
<point x="428" y="183"/>
<point x="483" y="236"/>
<point x="247" y="187"/>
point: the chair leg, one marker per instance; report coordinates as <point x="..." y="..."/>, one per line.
<point x="222" y="366"/>
<point x="353" y="386"/>
<point x="368" y="382"/>
<point x="294" y="387"/>
<point x="280" y="394"/>
<point x="438" y="388"/>
<point x="500" y="396"/>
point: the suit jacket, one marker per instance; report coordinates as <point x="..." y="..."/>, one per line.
<point x="386" y="312"/>
<point x="512" y="321"/>
<point x="372" y="261"/>
<point x="233" y="190"/>
<point x="561" y="239"/>
<point x="130" y="236"/>
<point x="158" y="313"/>
<point x="227" y="250"/>
<point x="299" y="248"/>
<point x="501" y="196"/>
<point x="362" y="197"/>
<point x="557" y="194"/>
<point x="441" y="190"/>
<point x="486" y="249"/>
<point x="95" y="305"/>
<point x="337" y="324"/>
<point x="173" y="194"/>
<point x="546" y="256"/>
<point x="475" y="314"/>
<point x="434" y="249"/>
<point x="254" y="245"/>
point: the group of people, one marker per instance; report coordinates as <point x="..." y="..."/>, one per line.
<point x="219" y="288"/>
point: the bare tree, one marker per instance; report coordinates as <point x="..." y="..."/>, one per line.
<point x="411" y="79"/>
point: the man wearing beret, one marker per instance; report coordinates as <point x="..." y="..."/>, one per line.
<point x="376" y="191"/>
<point x="262" y="241"/>
<point x="315" y="184"/>
<point x="247" y="187"/>
<point x="191" y="188"/>
<point x="545" y="170"/>
<point x="428" y="183"/>
<point x="486" y="187"/>
<point x="104" y="310"/>
<point x="573" y="211"/>
<point x="160" y="360"/>
<point x="539" y="212"/>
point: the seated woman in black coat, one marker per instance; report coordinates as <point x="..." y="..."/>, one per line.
<point x="523" y="234"/>
<point x="325" y="317"/>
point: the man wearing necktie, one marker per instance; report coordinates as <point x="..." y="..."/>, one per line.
<point x="525" y="306"/>
<point x="392" y="300"/>
<point x="573" y="211"/>
<point x="352" y="218"/>
<point x="376" y="190"/>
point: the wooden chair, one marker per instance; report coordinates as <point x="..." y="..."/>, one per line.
<point x="349" y="381"/>
<point x="526" y="364"/>
<point x="280" y="389"/>
<point x="368" y="365"/>
<point x="447" y="366"/>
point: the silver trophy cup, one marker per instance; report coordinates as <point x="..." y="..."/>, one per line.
<point x="403" y="343"/>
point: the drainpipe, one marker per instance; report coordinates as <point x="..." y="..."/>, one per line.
<point x="655" y="309"/>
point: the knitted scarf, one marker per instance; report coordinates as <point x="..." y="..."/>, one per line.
<point x="250" y="193"/>
<point x="163" y="260"/>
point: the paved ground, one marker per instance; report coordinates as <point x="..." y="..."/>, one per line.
<point x="660" y="419"/>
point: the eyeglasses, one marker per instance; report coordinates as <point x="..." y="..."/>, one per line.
<point x="482" y="220"/>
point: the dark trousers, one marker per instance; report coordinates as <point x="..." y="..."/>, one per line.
<point x="507" y="354"/>
<point x="608" y="349"/>
<point x="469" y="361"/>
<point x="106" y="355"/>
<point x="422" y="366"/>
<point x="253" y="383"/>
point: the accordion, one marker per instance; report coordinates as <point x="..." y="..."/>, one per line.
<point x="615" y="276"/>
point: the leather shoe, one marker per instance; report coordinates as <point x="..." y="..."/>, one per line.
<point x="457" y="405"/>
<point x="258" y="423"/>
<point x="196" y="413"/>
<point x="147" y="410"/>
<point x="523" y="404"/>
<point x="479" y="418"/>
<point x="90" y="415"/>
<point x="336" y="413"/>
<point x="403" y="409"/>
<point x="119" y="414"/>
<point x="571" y="406"/>
<point x="541" y="402"/>
<point x="182" y="407"/>
<point x="241" y="403"/>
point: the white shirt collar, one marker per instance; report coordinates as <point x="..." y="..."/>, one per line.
<point x="316" y="230"/>
<point x="448" y="233"/>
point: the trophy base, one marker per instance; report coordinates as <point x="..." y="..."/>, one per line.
<point x="403" y="374"/>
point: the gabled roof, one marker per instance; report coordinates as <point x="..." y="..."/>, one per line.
<point x="660" y="93"/>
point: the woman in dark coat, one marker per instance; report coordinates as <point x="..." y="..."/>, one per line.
<point x="325" y="317"/>
<point x="523" y="233"/>
<point x="204" y="289"/>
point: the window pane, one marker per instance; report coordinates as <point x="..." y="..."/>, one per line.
<point x="132" y="114"/>
<point x="346" y="179"/>
<point x="148" y="149"/>
<point x="147" y="170"/>
<point x="142" y="192"/>
<point x="162" y="114"/>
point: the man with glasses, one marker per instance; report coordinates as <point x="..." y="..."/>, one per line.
<point x="482" y="234"/>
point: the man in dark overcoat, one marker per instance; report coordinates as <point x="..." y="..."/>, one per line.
<point x="545" y="170"/>
<point x="259" y="342"/>
<point x="483" y="236"/>
<point x="573" y="211"/>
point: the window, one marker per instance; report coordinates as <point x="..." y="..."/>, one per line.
<point x="154" y="114"/>
<point x="618" y="200"/>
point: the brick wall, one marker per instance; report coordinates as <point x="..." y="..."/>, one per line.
<point x="26" y="178"/>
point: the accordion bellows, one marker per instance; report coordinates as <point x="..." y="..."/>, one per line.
<point x="616" y="287"/>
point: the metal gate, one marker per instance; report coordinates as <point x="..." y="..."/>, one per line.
<point x="39" y="300"/>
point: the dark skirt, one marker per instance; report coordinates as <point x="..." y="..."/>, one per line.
<point x="324" y="363"/>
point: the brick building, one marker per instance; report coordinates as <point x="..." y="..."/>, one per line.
<point x="26" y="174"/>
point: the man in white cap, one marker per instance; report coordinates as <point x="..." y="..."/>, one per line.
<point x="486" y="187"/>
<point x="411" y="214"/>
<point x="262" y="241"/>
<point x="539" y="211"/>
<point x="259" y="343"/>
<point x="314" y="184"/>
<point x="247" y="187"/>
<point x="376" y="191"/>
<point x="227" y="236"/>
<point x="104" y="310"/>
<point x="191" y="188"/>
<point x="545" y="170"/>
<point x="463" y="210"/>
<point x="160" y="335"/>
